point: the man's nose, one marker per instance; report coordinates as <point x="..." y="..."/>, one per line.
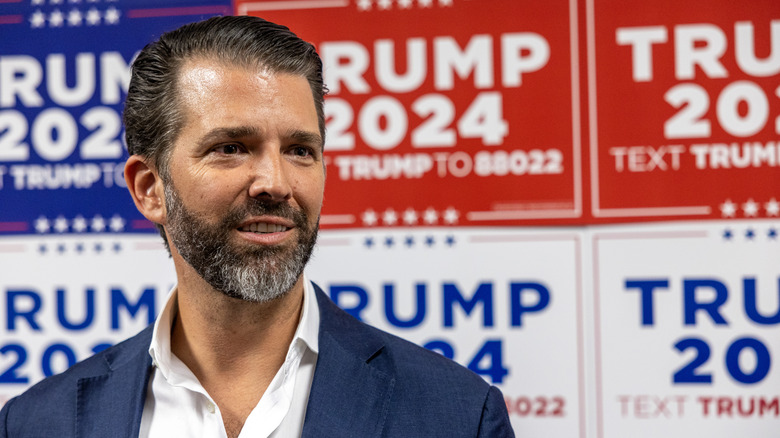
<point x="270" y="179"/>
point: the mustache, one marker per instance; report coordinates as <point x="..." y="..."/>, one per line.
<point x="260" y="207"/>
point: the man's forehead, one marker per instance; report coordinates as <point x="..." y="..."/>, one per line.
<point x="205" y="68"/>
<point x="200" y="75"/>
<point x="208" y="86"/>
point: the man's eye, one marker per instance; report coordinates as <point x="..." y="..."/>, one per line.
<point x="227" y="149"/>
<point x="301" y="151"/>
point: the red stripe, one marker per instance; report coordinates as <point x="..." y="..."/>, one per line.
<point x="13" y="226"/>
<point x="170" y="12"/>
<point x="10" y="19"/>
<point x="142" y="224"/>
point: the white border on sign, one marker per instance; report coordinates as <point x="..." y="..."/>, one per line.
<point x="593" y="134"/>
<point x="576" y="212"/>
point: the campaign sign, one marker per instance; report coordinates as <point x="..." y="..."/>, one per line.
<point x="514" y="319"/>
<point x="64" y="73"/>
<point x="67" y="297"/>
<point x="430" y="122"/>
<point x="686" y="330"/>
<point x="684" y="109"/>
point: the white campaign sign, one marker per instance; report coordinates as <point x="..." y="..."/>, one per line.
<point x="686" y="329"/>
<point x="503" y="301"/>
<point x="598" y="332"/>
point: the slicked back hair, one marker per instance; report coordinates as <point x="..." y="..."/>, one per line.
<point x="152" y="113"/>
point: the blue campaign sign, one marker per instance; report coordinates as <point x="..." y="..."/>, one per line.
<point x="64" y="72"/>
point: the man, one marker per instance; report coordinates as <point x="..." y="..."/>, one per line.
<point x="225" y="128"/>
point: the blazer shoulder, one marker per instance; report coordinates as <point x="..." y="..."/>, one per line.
<point x="386" y="350"/>
<point x="429" y="393"/>
<point x="426" y="367"/>
<point x="58" y="393"/>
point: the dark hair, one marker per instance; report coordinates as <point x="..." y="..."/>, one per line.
<point x="152" y="115"/>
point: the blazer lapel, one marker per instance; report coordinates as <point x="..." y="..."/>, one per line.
<point x="112" y="403"/>
<point x="351" y="391"/>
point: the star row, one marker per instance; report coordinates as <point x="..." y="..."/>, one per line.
<point x="75" y="17"/>
<point x="59" y="2"/>
<point x="750" y="208"/>
<point x="751" y="234"/>
<point x="407" y="241"/>
<point x="79" y="248"/>
<point x="367" y="5"/>
<point x="79" y="224"/>
<point x="410" y="217"/>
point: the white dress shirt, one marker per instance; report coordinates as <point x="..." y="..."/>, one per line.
<point x="178" y="405"/>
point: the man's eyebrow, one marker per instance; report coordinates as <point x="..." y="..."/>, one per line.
<point x="306" y="137"/>
<point x="228" y="132"/>
<point x="237" y="132"/>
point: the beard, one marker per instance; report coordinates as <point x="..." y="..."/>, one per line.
<point x="259" y="273"/>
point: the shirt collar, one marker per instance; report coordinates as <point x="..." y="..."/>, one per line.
<point x="309" y="325"/>
<point x="306" y="334"/>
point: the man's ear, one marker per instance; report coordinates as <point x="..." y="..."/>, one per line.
<point x="146" y="188"/>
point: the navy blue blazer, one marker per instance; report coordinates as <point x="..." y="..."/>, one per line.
<point x="367" y="383"/>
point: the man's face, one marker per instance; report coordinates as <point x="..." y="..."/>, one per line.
<point x="246" y="178"/>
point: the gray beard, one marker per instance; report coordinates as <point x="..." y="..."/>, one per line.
<point x="260" y="274"/>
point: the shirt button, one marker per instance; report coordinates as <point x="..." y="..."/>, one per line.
<point x="210" y="407"/>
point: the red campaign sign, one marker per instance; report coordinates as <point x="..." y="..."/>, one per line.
<point x="684" y="112"/>
<point x="430" y="122"/>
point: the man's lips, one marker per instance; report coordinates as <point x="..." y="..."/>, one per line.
<point x="264" y="226"/>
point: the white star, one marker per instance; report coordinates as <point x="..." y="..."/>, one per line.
<point x="728" y="208"/>
<point x="384" y="4"/>
<point x="430" y="216"/>
<point x="74" y="17"/>
<point x="369" y="217"/>
<point x="364" y="5"/>
<point x="445" y="2"/>
<point x="405" y="4"/>
<point x="79" y="224"/>
<point x="390" y="217"/>
<point x="410" y="216"/>
<point x="425" y="3"/>
<point x="117" y="223"/>
<point x="56" y="18"/>
<point x="37" y="2"/>
<point x="750" y="208"/>
<point x="92" y="1"/>
<point x="451" y="216"/>
<point x="772" y="207"/>
<point x="98" y="223"/>
<point x="112" y="15"/>
<point x="42" y="225"/>
<point x="55" y="2"/>
<point x="60" y="224"/>
<point x="93" y="17"/>
<point x="37" y="19"/>
<point x="74" y="1"/>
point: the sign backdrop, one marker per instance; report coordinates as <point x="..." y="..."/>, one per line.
<point x="576" y="199"/>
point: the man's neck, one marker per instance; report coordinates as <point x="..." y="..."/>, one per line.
<point x="234" y="347"/>
<point x="224" y="333"/>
